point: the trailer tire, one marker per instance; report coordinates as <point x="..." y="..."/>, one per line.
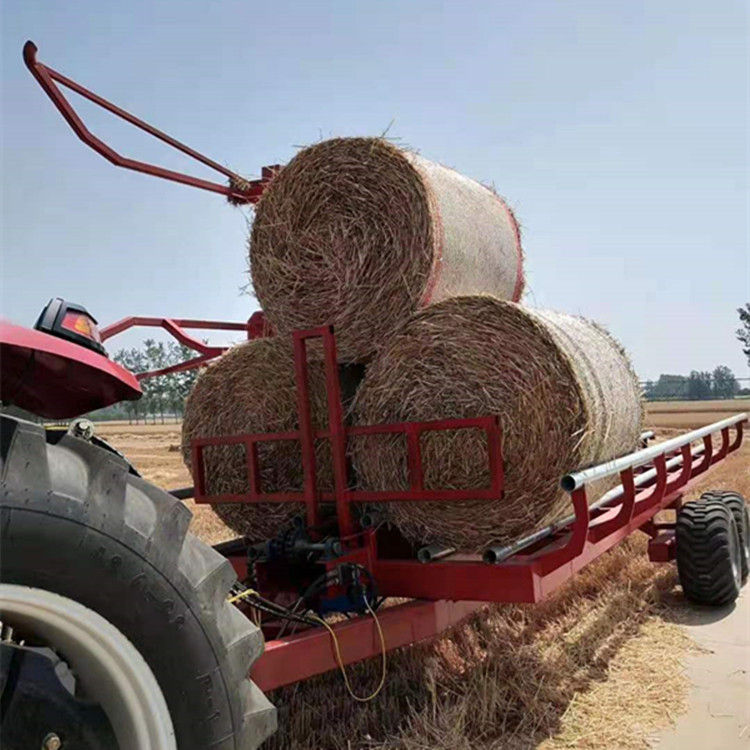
<point x="708" y="552"/>
<point x="75" y="522"/>
<point x="736" y="503"/>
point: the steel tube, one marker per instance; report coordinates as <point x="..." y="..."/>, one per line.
<point x="434" y="552"/>
<point x="574" y="481"/>
<point x="494" y="555"/>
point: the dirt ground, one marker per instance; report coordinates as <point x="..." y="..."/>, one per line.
<point x="692" y="414"/>
<point x="585" y="669"/>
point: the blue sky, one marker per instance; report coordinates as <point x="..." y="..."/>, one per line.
<point x="617" y="130"/>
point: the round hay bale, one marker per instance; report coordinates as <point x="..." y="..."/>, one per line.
<point x="252" y="389"/>
<point x="357" y="233"/>
<point x="563" y="388"/>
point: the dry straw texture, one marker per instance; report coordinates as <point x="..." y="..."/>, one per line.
<point x="248" y="390"/>
<point x="562" y="387"/>
<point x="357" y="233"/>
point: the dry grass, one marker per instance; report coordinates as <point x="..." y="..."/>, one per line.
<point x="356" y="233"/>
<point x="563" y="389"/>
<point x="731" y="405"/>
<point x="598" y="666"/>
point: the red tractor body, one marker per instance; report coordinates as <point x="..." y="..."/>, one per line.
<point x="56" y="378"/>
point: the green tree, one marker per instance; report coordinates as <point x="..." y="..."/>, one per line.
<point x="158" y="387"/>
<point x="743" y="332"/>
<point x="180" y="383"/>
<point x="724" y="383"/>
<point x="162" y="395"/>
<point x="699" y="386"/>
<point x="668" y="387"/>
<point x="134" y="361"/>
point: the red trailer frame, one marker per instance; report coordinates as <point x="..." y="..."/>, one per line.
<point x="447" y="589"/>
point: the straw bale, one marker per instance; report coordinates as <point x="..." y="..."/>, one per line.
<point x="357" y="233"/>
<point x="252" y="389"/>
<point x="562" y="387"/>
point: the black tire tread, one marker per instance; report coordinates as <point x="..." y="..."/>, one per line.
<point x="706" y="533"/>
<point x="736" y="503"/>
<point x="76" y="481"/>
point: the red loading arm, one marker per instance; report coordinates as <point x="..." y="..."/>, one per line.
<point x="238" y="190"/>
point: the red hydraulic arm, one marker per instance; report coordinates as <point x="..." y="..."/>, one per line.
<point x="238" y="190"/>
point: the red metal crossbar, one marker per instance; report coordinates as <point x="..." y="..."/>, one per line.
<point x="255" y="327"/>
<point x="338" y="434"/>
<point x="238" y="190"/>
<point x="311" y="652"/>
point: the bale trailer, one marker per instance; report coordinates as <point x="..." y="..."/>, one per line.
<point x="120" y="629"/>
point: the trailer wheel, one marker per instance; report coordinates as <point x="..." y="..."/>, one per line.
<point x="76" y="526"/>
<point x="708" y="552"/>
<point x="736" y="503"/>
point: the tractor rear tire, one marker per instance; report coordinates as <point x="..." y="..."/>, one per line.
<point x="76" y="522"/>
<point x="736" y="503"/>
<point x="708" y="552"/>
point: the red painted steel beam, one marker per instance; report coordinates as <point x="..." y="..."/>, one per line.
<point x="135" y="321"/>
<point x="302" y="656"/>
<point x="175" y="327"/>
<point x="663" y="548"/>
<point x="474" y="581"/>
<point x="189" y="364"/>
<point x="239" y="190"/>
<point x="523" y="578"/>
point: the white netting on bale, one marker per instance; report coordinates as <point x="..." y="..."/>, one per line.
<point x="563" y="388"/>
<point x="357" y="233"/>
<point x="252" y="389"/>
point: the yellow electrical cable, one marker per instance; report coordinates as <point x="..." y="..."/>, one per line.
<point x="242" y="595"/>
<point x="356" y="697"/>
<point x="252" y="592"/>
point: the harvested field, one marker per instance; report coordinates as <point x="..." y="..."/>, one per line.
<point x="585" y="669"/>
<point x="688" y="415"/>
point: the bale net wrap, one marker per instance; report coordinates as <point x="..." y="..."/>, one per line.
<point x="562" y="387"/>
<point x="357" y="233"/>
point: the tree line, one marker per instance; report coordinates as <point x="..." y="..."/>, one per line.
<point x="703" y="385"/>
<point x="698" y="386"/>
<point x="164" y="396"/>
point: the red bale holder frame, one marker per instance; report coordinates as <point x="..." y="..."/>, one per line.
<point x="451" y="586"/>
